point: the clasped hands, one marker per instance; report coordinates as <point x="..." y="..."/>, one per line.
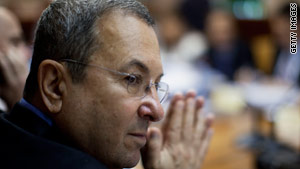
<point x="183" y="139"/>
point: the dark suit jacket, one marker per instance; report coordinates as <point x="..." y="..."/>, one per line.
<point x="240" y="56"/>
<point x="28" y="142"/>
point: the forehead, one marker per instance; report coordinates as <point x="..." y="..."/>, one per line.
<point x="124" y="37"/>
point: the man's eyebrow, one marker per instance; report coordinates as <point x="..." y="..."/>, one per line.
<point x="142" y="66"/>
<point x="139" y="64"/>
<point x="160" y="76"/>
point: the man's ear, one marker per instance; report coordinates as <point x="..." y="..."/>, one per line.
<point x="52" y="84"/>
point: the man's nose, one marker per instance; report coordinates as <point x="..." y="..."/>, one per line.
<point x="151" y="108"/>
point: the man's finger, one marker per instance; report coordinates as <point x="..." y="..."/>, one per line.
<point x="173" y="130"/>
<point x="204" y="147"/>
<point x="199" y="102"/>
<point x="198" y="112"/>
<point x="190" y="93"/>
<point x="202" y="127"/>
<point x="151" y="152"/>
<point x="188" y="122"/>
<point x="176" y="97"/>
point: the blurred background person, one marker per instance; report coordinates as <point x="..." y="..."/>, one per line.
<point x="226" y="53"/>
<point x="18" y="20"/>
<point x="178" y="41"/>
<point x="28" y="13"/>
<point x="181" y="31"/>
<point x="14" y="57"/>
<point x="286" y="66"/>
<point x="182" y="42"/>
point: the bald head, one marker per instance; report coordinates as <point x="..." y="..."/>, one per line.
<point x="10" y="30"/>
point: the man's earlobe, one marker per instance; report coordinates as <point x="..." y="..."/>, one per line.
<point x="51" y="80"/>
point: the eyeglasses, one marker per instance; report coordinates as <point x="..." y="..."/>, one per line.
<point x="136" y="84"/>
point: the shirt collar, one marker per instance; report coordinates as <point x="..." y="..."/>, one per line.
<point x="36" y="111"/>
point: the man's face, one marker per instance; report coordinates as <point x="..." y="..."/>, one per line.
<point x="10" y="33"/>
<point x="100" y="115"/>
<point x="281" y="31"/>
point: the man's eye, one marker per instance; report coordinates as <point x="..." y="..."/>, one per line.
<point x="157" y="86"/>
<point x="133" y="79"/>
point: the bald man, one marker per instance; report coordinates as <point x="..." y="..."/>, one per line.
<point x="13" y="59"/>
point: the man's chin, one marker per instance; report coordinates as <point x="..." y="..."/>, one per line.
<point x="128" y="162"/>
<point x="134" y="160"/>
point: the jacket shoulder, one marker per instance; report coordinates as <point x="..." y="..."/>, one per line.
<point x="22" y="149"/>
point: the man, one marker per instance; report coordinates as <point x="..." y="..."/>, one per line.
<point x="92" y="92"/>
<point x="227" y="53"/>
<point x="13" y="59"/>
<point x="285" y="67"/>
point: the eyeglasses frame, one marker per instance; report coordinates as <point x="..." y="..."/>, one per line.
<point x="120" y="73"/>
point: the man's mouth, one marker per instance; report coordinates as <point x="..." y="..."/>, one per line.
<point x="140" y="138"/>
<point x="142" y="135"/>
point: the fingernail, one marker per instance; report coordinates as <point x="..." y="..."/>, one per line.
<point x="180" y="104"/>
<point x="209" y="120"/>
<point x="178" y="93"/>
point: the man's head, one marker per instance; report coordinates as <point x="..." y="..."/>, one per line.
<point x="14" y="56"/>
<point x="10" y="30"/>
<point x="11" y="35"/>
<point x="68" y="29"/>
<point x="280" y="25"/>
<point x="94" y="105"/>
<point x="220" y="28"/>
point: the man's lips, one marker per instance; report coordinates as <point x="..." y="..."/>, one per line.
<point x="141" y="135"/>
<point x="141" y="138"/>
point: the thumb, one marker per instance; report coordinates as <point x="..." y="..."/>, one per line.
<point x="151" y="151"/>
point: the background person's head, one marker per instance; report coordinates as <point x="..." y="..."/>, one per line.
<point x="220" y="28"/>
<point x="14" y="57"/>
<point x="280" y="26"/>
<point x="92" y="106"/>
<point x="11" y="35"/>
